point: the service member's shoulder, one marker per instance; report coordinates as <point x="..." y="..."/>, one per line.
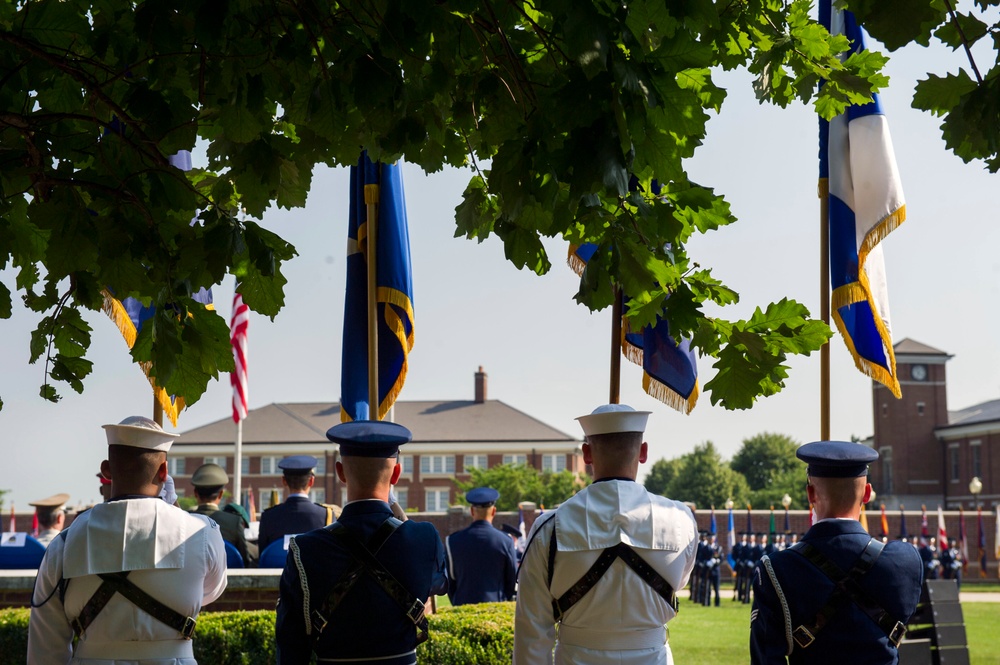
<point x="203" y="520"/>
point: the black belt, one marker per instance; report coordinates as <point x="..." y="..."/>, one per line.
<point x="620" y="551"/>
<point x="847" y="587"/>
<point x="118" y="582"/>
<point x="365" y="561"/>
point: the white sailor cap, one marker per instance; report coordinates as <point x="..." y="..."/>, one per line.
<point x="613" y="418"/>
<point x="139" y="432"/>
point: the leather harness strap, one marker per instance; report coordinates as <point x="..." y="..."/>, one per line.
<point x="847" y="588"/>
<point x="621" y="551"/>
<point x="119" y="583"/>
<point x="365" y="561"/>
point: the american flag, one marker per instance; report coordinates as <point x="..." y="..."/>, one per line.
<point x="238" y="338"/>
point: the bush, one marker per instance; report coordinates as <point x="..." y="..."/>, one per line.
<point x="470" y="635"/>
<point x="13" y="636"/>
<point x="466" y="635"/>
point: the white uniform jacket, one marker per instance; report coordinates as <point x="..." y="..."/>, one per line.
<point x="176" y="557"/>
<point x="621" y="619"/>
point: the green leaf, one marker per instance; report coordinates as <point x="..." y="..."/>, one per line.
<point x="963" y="30"/>
<point x="6" y="304"/>
<point x="940" y="95"/>
<point x="896" y="23"/>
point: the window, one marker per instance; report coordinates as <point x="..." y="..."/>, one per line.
<point x="437" y="464"/>
<point x="555" y="463"/>
<point x="269" y="466"/>
<point x="955" y="470"/>
<point x="920" y="408"/>
<point x="320" y="465"/>
<point x="317" y="495"/>
<point x="886" y="462"/>
<point x="402" y="496"/>
<point x="977" y="459"/>
<point x="515" y="459"/>
<point x="245" y="466"/>
<point x="221" y="461"/>
<point x="406" y="463"/>
<point x="265" y="497"/>
<point x="475" y="462"/>
<point x="437" y="500"/>
<point x="175" y="466"/>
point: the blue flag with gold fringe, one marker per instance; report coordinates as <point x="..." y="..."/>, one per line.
<point x="670" y="368"/>
<point x="130" y="315"/>
<point x="381" y="184"/>
<point x="866" y="204"/>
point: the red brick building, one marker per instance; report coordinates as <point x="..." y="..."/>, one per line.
<point x="449" y="438"/>
<point x="928" y="454"/>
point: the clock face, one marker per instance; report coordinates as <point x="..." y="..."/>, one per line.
<point x="919" y="372"/>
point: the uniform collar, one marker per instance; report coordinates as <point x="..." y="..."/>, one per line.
<point x="365" y="507"/>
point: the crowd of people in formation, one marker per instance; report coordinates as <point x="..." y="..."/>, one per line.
<point x="126" y="581"/>
<point x="944" y="563"/>
<point x="747" y="552"/>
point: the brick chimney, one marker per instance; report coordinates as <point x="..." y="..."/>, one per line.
<point x="480" y="386"/>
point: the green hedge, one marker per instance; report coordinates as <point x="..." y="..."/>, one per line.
<point x="467" y="635"/>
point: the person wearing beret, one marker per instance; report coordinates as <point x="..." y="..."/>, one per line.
<point x="128" y="578"/>
<point x="838" y="595"/>
<point x="297" y="514"/>
<point x="606" y="566"/>
<point x="353" y="592"/>
<point x="209" y="481"/>
<point x="482" y="564"/>
<point x="51" y="517"/>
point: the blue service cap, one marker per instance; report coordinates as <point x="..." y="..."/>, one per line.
<point x="510" y="530"/>
<point x="297" y="465"/>
<point x="482" y="496"/>
<point x="836" y="459"/>
<point x="369" y="438"/>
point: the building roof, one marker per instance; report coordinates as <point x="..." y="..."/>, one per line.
<point x="455" y="421"/>
<point x="978" y="413"/>
<point x="911" y="347"/>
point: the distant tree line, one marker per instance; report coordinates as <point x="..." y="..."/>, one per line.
<point x="518" y="482"/>
<point x="760" y="474"/>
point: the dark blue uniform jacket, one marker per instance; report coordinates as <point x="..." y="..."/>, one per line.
<point x="296" y="515"/>
<point x="482" y="565"/>
<point x="851" y="636"/>
<point x="368" y="625"/>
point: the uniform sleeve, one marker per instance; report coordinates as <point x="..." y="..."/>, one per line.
<point x="49" y="634"/>
<point x="510" y="570"/>
<point x="534" y="625"/>
<point x="294" y="646"/>
<point x="449" y="569"/>
<point x="768" y="635"/>
<point x="439" y="580"/>
<point x="215" y="563"/>
<point x="264" y="537"/>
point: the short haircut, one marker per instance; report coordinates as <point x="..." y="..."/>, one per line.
<point x="134" y="467"/>
<point x="367" y="472"/>
<point x="298" y="482"/>
<point x="615" y="448"/>
<point x="47" y="517"/>
<point x="482" y="512"/>
<point x="207" y="492"/>
<point x="841" y="494"/>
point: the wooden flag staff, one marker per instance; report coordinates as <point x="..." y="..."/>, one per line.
<point x="616" y="347"/>
<point x="371" y="199"/>
<point x="824" y="307"/>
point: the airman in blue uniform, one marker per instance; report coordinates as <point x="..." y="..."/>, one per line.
<point x="353" y="592"/>
<point x="297" y="514"/>
<point x="839" y="595"/>
<point x="482" y="564"/>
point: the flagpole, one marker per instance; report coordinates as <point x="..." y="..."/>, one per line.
<point x="824" y="307"/>
<point x="372" y="241"/>
<point x="238" y="483"/>
<point x="157" y="411"/>
<point x="616" y="348"/>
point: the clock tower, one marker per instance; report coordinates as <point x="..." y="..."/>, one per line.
<point x="911" y="466"/>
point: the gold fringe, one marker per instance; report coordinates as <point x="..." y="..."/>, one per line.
<point x="116" y="311"/>
<point x="860" y="291"/>
<point x="371" y="194"/>
<point x="668" y="396"/>
<point x="396" y="325"/>
<point x="396" y="297"/>
<point x="575" y="263"/>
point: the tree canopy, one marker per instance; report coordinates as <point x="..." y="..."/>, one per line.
<point x="554" y="106"/>
<point x="518" y="482"/>
<point x="702" y="478"/>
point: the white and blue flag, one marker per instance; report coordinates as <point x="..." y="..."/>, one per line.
<point x="866" y="204"/>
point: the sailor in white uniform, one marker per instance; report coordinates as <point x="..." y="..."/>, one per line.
<point x="606" y="566"/>
<point x="129" y="576"/>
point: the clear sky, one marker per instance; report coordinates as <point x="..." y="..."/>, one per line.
<point x="546" y="355"/>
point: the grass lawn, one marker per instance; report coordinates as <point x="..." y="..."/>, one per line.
<point x="720" y="636"/>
